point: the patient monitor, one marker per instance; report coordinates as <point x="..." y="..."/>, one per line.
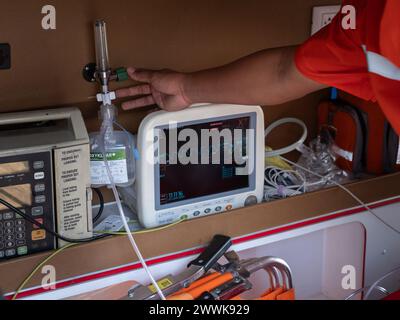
<point x="200" y="161"/>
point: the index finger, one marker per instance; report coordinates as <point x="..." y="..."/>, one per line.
<point x="140" y="75"/>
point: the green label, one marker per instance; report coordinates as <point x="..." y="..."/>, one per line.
<point x="111" y="156"/>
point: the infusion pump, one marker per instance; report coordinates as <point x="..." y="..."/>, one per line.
<point x="44" y="172"/>
<point x="200" y="161"/>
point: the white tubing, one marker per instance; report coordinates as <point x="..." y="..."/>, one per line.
<point x="378" y="281"/>
<point x="121" y="211"/>
<point x="292" y="147"/>
<point x="345" y="190"/>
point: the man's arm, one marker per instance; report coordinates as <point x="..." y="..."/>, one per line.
<point x="268" y="77"/>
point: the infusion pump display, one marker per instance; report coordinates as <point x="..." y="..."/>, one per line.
<point x="180" y="182"/>
<point x="17" y="195"/>
<point x="14" y="168"/>
<point x="200" y="161"/>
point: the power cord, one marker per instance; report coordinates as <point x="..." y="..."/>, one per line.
<point x="281" y="183"/>
<point x="42" y="226"/>
<point x="58" y="251"/>
<point x="40" y="265"/>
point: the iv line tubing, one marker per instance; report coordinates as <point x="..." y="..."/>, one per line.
<point x="377" y="288"/>
<point x="345" y="190"/>
<point x="296" y="146"/>
<point x="378" y="281"/>
<point x="121" y="211"/>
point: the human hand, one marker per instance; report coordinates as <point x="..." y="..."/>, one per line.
<point x="164" y="88"/>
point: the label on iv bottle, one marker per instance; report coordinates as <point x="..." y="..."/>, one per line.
<point x="118" y="167"/>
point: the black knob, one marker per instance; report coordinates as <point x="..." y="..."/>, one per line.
<point x="89" y="72"/>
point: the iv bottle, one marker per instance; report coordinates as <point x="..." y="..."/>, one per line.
<point x="119" y="148"/>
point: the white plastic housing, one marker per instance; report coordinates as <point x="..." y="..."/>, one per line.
<point x="145" y="186"/>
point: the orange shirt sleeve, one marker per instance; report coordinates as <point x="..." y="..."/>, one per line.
<point x="335" y="57"/>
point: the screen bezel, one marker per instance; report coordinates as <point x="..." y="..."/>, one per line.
<point x="252" y="176"/>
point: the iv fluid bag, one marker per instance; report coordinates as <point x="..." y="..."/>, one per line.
<point x="120" y="157"/>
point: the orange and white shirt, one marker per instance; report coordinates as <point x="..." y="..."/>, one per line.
<point x="365" y="61"/>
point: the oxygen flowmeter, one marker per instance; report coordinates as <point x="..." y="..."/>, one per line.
<point x="116" y="146"/>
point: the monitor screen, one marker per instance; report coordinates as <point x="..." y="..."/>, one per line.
<point x="199" y="160"/>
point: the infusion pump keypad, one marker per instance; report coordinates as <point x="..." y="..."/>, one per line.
<point x="26" y="183"/>
<point x="12" y="236"/>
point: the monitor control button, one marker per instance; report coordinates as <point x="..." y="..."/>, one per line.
<point x="229" y="207"/>
<point x="218" y="209"/>
<point x="250" y="201"/>
<point x="208" y="210"/>
<point x="196" y="213"/>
